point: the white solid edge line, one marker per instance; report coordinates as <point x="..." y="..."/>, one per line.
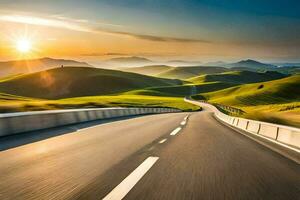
<point x="120" y="191"/>
<point x="183" y="123"/>
<point x="174" y="132"/>
<point x="162" y="141"/>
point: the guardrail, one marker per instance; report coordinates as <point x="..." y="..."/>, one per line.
<point x="228" y="109"/>
<point x="13" y="123"/>
<point x="286" y="135"/>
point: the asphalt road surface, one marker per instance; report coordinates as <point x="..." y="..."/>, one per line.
<point x="165" y="156"/>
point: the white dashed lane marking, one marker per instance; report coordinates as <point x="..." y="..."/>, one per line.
<point x="120" y="191"/>
<point x="175" y="131"/>
<point x="162" y="141"/>
<point x="183" y="123"/>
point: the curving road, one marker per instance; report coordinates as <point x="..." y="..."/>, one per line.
<point x="166" y="156"/>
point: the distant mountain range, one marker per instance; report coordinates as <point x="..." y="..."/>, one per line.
<point x="177" y="63"/>
<point x="249" y="65"/>
<point x="132" y="59"/>
<point x="252" y="64"/>
<point x="256" y="66"/>
<point x="10" y="68"/>
<point x="135" y="61"/>
<point x="243" y="64"/>
<point x="15" y="67"/>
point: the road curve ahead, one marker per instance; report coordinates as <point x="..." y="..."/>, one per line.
<point x="166" y="156"/>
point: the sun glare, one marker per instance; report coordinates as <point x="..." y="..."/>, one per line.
<point x="23" y="45"/>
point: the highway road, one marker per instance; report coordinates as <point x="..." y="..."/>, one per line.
<point x="165" y="156"/>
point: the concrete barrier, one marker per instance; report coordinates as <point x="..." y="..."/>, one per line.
<point x="289" y="136"/>
<point x="253" y="127"/>
<point x="283" y="134"/>
<point x="268" y="130"/>
<point x="13" y="123"/>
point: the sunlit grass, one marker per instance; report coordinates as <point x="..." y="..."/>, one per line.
<point x="275" y="101"/>
<point x="27" y="104"/>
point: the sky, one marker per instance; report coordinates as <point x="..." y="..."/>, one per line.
<point x="208" y="30"/>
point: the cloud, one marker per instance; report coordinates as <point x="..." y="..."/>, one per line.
<point x="83" y="25"/>
<point x="165" y="39"/>
<point x="153" y="38"/>
<point x="44" y="22"/>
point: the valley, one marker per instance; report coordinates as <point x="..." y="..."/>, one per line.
<point x="271" y="94"/>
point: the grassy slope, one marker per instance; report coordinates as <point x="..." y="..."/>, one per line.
<point x="26" y="104"/>
<point x="151" y="70"/>
<point x="172" y="91"/>
<point x="275" y="101"/>
<point x="181" y="90"/>
<point x="82" y="81"/>
<point x="189" y="72"/>
<point x="277" y="91"/>
<point x="284" y="70"/>
<point x="214" y="82"/>
<point x="78" y="81"/>
<point x="8" y="97"/>
<point x="238" y="77"/>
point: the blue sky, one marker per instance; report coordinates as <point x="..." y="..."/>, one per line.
<point x="264" y="24"/>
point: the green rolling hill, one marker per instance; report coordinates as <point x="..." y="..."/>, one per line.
<point x="78" y="81"/>
<point x="267" y="96"/>
<point x="209" y="83"/>
<point x="172" y="91"/>
<point x="150" y="70"/>
<point x="190" y="71"/>
<point x="181" y="90"/>
<point x="275" y="101"/>
<point x="165" y="71"/>
<point x="284" y="90"/>
<point x="238" y="77"/>
<point x="283" y="70"/>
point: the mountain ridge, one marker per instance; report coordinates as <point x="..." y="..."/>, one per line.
<point x="14" y="67"/>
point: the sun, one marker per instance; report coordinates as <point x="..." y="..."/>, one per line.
<point x="23" y="45"/>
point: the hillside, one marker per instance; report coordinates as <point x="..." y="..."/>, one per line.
<point x="9" y="68"/>
<point x="190" y="71"/>
<point x="238" y="77"/>
<point x="181" y="90"/>
<point x="274" y="101"/>
<point x="277" y="91"/>
<point x="251" y="64"/>
<point x="78" y="81"/>
<point x="283" y="70"/>
<point x="10" y="103"/>
<point x="151" y="70"/>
